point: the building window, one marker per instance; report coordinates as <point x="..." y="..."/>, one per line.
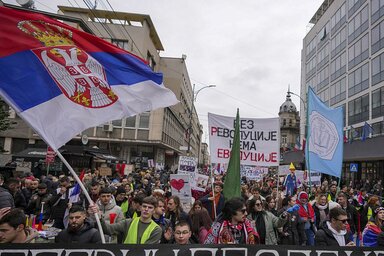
<point x="358" y="52"/>
<point x="378" y="103"/>
<point x="144" y="120"/>
<point x="324" y="96"/>
<point x="377" y="38"/>
<point x="377" y="10"/>
<point x="130" y="122"/>
<point x="354" y="5"/>
<point x="322" y="78"/>
<point x="377" y="69"/>
<point x="311" y="48"/>
<point x="338" y="66"/>
<point x="338" y="42"/>
<point x="338" y="19"/>
<point x="311" y="67"/>
<point x="322" y="57"/>
<point x="358" y="24"/>
<point x="358" y="110"/>
<point x="123" y="44"/>
<point x="117" y="123"/>
<point x="378" y="128"/>
<point x="358" y="80"/>
<point x="151" y="61"/>
<point x="322" y="37"/>
<point x="338" y="91"/>
<point x="284" y="139"/>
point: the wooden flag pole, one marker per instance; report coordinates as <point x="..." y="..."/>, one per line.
<point x="84" y="191"/>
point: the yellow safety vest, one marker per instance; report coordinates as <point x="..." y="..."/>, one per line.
<point x="369" y="213"/>
<point x="132" y="232"/>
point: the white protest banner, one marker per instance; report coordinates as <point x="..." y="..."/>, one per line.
<point x="187" y="165"/>
<point x="284" y="170"/>
<point x="315" y="178"/>
<point x="253" y="172"/>
<point x="259" y="140"/>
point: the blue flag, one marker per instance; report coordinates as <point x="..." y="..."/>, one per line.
<point x="324" y="137"/>
<point x="367" y="130"/>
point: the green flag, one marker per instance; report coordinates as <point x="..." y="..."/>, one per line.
<point x="232" y="179"/>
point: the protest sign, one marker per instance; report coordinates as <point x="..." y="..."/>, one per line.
<point x="253" y="172"/>
<point x="259" y="140"/>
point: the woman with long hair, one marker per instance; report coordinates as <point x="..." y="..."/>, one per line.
<point x="271" y="204"/>
<point x="175" y="211"/>
<point x="201" y="223"/>
<point x="197" y="206"/>
<point x="321" y="208"/>
<point x="265" y="223"/>
<point x="373" y="228"/>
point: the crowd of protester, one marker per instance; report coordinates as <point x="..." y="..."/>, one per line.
<point x="139" y="208"/>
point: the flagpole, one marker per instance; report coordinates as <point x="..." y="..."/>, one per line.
<point x="307" y="147"/>
<point x="84" y="191"/>
<point x="213" y="192"/>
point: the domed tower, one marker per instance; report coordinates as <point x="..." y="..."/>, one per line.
<point x="289" y="124"/>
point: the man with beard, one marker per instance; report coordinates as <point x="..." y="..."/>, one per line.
<point x="40" y="200"/>
<point x="80" y="229"/>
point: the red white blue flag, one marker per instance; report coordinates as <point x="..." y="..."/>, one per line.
<point x="62" y="81"/>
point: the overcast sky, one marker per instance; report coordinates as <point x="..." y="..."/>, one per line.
<point x="250" y="49"/>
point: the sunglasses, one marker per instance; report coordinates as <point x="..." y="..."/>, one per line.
<point x="243" y="211"/>
<point x="345" y="221"/>
<point x="258" y="204"/>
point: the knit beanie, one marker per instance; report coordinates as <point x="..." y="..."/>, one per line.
<point x="302" y="195"/>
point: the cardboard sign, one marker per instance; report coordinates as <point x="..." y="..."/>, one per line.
<point x="105" y="171"/>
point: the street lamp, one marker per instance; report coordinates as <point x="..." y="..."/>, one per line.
<point x="305" y="109"/>
<point x="194" y="96"/>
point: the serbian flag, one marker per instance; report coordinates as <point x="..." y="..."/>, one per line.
<point x="62" y="81"/>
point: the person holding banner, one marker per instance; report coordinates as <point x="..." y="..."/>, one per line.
<point x="214" y="200"/>
<point x="140" y="230"/>
<point x="80" y="229"/>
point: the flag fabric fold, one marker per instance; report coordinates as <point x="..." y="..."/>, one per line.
<point x="367" y="131"/>
<point x="62" y="80"/>
<point x="232" y="178"/>
<point x="297" y="144"/>
<point x="324" y="137"/>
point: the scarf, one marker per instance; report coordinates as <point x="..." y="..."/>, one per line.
<point x="306" y="212"/>
<point x="232" y="234"/>
<point x="339" y="236"/>
<point x="221" y="232"/>
<point x="160" y="221"/>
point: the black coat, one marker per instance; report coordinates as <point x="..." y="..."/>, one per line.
<point x="6" y="199"/>
<point x="317" y="214"/>
<point x="87" y="234"/>
<point x="324" y="237"/>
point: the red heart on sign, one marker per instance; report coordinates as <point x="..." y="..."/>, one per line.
<point x="177" y="184"/>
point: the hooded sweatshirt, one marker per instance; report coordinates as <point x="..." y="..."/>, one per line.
<point x="109" y="208"/>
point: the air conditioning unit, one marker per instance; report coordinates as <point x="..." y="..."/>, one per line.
<point x="108" y="128"/>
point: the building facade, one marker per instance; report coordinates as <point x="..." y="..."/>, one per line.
<point x="159" y="135"/>
<point x="342" y="60"/>
<point x="289" y="124"/>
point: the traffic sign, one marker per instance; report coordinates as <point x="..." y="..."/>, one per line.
<point x="353" y="167"/>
